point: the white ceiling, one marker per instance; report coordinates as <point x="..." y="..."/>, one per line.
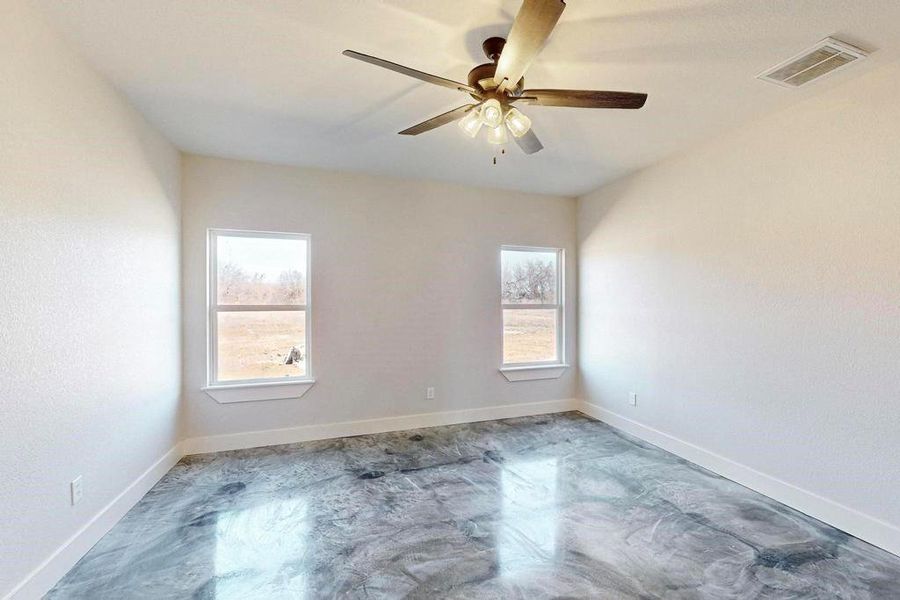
<point x="265" y="79"/>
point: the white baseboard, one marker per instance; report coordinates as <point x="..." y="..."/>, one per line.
<point x="40" y="580"/>
<point x="874" y="531"/>
<point x="274" y="437"/>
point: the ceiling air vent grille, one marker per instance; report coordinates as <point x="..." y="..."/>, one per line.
<point x="827" y="56"/>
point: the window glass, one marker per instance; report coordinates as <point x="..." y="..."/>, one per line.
<point x="528" y="277"/>
<point x="532" y="311"/>
<point x="262" y="270"/>
<point x="259" y="321"/>
<point x="529" y="335"/>
<point x="261" y="344"/>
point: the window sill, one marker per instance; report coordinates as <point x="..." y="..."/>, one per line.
<point x="529" y="373"/>
<point x="254" y="392"/>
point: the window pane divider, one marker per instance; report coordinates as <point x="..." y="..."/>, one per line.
<point x="530" y="306"/>
<point x="258" y="307"/>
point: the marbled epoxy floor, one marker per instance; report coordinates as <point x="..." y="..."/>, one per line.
<point x="539" y="507"/>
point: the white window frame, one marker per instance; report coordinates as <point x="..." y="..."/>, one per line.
<point x="213" y="309"/>
<point x="531" y="370"/>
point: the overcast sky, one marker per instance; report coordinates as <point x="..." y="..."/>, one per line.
<point x="269" y="256"/>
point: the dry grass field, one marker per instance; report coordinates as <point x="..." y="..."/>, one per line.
<point x="254" y="344"/>
<point x="529" y="336"/>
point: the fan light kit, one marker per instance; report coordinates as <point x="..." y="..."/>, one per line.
<point x="492" y="115"/>
<point x="518" y="123"/>
<point x="500" y="83"/>
<point x="471" y="123"/>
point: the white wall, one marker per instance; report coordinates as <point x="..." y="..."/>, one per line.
<point x="749" y="292"/>
<point x="404" y="289"/>
<point x="89" y="293"/>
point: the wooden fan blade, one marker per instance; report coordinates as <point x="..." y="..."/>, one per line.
<point x="530" y="30"/>
<point x="442" y="119"/>
<point x="583" y="98"/>
<point x="386" y="64"/>
<point x="529" y="143"/>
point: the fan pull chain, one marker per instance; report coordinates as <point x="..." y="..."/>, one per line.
<point x="502" y="151"/>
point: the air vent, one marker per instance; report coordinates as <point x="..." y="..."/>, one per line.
<point x="827" y="56"/>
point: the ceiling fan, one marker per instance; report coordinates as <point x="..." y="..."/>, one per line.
<point x="499" y="84"/>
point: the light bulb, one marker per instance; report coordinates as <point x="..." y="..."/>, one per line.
<point x="497" y="135"/>
<point x="492" y="113"/>
<point x="471" y="123"/>
<point x="518" y="123"/>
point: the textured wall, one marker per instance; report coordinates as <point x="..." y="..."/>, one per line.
<point x="749" y="292"/>
<point x="89" y="300"/>
<point x="405" y="285"/>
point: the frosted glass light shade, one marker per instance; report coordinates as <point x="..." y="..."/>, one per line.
<point x="492" y="113"/>
<point x="518" y="123"/>
<point x="471" y="123"/>
<point x="497" y="135"/>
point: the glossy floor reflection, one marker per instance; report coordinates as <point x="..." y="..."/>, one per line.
<point x="537" y="507"/>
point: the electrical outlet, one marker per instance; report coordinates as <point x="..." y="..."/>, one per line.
<point x="429" y="393"/>
<point x="632" y="398"/>
<point x="76" y="489"/>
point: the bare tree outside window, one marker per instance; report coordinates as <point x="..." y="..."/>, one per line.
<point x="292" y="287"/>
<point x="532" y="281"/>
<point x="238" y="287"/>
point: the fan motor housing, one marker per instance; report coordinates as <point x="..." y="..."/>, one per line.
<point x="482" y="79"/>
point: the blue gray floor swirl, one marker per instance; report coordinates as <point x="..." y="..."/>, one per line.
<point x="558" y="506"/>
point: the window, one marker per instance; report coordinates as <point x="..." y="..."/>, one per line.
<point x="259" y="310"/>
<point x="531" y="297"/>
